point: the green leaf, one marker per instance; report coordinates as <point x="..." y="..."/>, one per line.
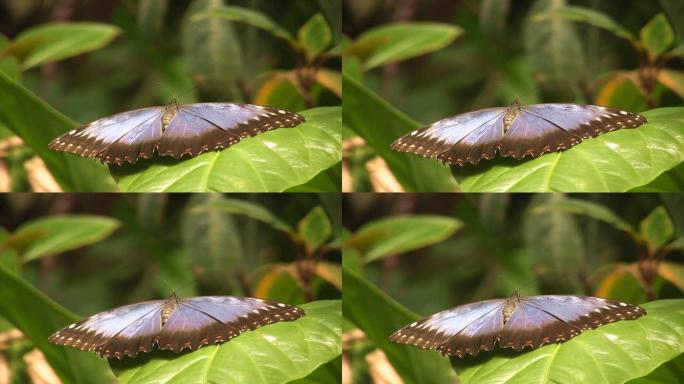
<point x="670" y="372"/>
<point x="400" y="234"/>
<point x="245" y="208"/>
<point x="58" y="234"/>
<point x="613" y="162"/>
<point x="151" y="15"/>
<point x="554" y="50"/>
<point x="212" y="241"/>
<point x="250" y="17"/>
<point x="315" y="228"/>
<point x="37" y="124"/>
<point x="378" y="315"/>
<point x="57" y="41"/>
<point x="380" y="124"/>
<point x="589" y="16"/>
<point x="315" y="36"/>
<point x="587" y="208"/>
<point x="401" y="41"/>
<point x="677" y="51"/>
<point x="325" y="181"/>
<point x="328" y="373"/>
<point x="38" y="317"/>
<point x="269" y="162"/>
<point x="212" y="51"/>
<point x="554" y="242"/>
<point x="657" y="35"/>
<point x="613" y="353"/>
<point x="657" y="229"/>
<point x="276" y="353"/>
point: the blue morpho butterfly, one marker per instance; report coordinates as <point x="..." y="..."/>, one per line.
<point x="173" y="324"/>
<point x="514" y="323"/>
<point x="173" y="130"/>
<point x="516" y="131"/>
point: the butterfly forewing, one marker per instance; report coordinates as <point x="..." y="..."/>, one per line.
<point x="439" y="137"/>
<point x="92" y="333"/>
<point x="456" y="331"/>
<point x="141" y="127"/>
<point x="191" y="129"/>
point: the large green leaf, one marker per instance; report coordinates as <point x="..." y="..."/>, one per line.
<point x="398" y="234"/>
<point x="57" y="41"/>
<point x="614" y="162"/>
<point x="594" y="210"/>
<point x="378" y="315"/>
<point x="37" y="124"/>
<point x="211" y="50"/>
<point x="270" y="162"/>
<point x="38" y="317"/>
<point x="613" y="353"/>
<point x="56" y="234"/>
<point x="401" y="41"/>
<point x="379" y="124"/>
<point x="277" y="353"/>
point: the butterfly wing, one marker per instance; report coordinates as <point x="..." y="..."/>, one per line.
<point x="209" y="126"/>
<point x="121" y="331"/>
<point x="539" y="320"/>
<point x="467" y="137"/>
<point x="207" y="320"/>
<point x="115" y="139"/>
<point x="465" y="329"/>
<point x="542" y="128"/>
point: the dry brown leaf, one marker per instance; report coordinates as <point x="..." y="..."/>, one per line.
<point x="39" y="177"/>
<point x="8" y="144"/>
<point x="347" y="182"/>
<point x="38" y="368"/>
<point x="346" y="370"/>
<point x="381" y="178"/>
<point x="380" y="368"/>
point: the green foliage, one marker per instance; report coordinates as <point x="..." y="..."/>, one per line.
<point x="551" y="52"/>
<point x="278" y="353"/>
<point x="534" y="244"/>
<point x="58" y="234"/>
<point x="197" y="245"/>
<point x="399" y="234"/>
<point x="199" y="51"/>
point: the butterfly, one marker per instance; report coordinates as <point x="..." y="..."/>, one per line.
<point x="173" y="324"/>
<point x="516" y="131"/>
<point x="514" y="323"/>
<point x="173" y="130"/>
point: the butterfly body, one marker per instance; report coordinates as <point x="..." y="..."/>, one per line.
<point x="516" y="131"/>
<point x="173" y="130"/>
<point x="514" y="323"/>
<point x="173" y="324"/>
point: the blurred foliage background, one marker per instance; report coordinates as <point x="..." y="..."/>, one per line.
<point x="90" y="59"/>
<point x="438" y="58"/>
<point x="434" y="252"/>
<point x="91" y="253"/>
